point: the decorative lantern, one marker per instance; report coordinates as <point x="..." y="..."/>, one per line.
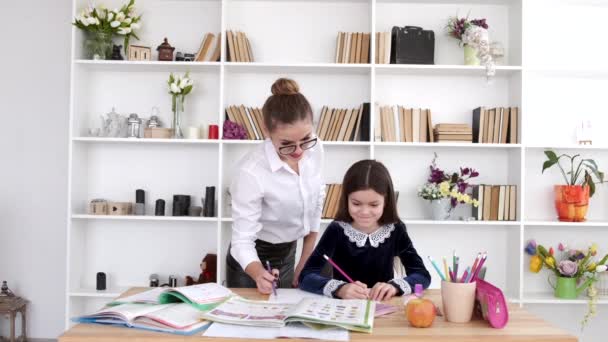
<point x="11" y="305"/>
<point x="165" y="51"/>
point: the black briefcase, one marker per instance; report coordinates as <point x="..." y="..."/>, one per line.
<point x="412" y="45"/>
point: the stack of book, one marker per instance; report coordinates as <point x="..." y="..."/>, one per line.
<point x="344" y="124"/>
<point x="496" y="126"/>
<point x="250" y="118"/>
<point x="400" y="124"/>
<point x="383" y="48"/>
<point x="239" y="49"/>
<point x="447" y="132"/>
<point x="210" y="48"/>
<point x="352" y="47"/>
<point x="333" y="193"/>
<point x="496" y="202"/>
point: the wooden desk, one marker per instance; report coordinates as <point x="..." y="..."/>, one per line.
<point x="522" y="326"/>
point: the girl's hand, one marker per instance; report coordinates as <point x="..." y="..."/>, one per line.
<point x="382" y="291"/>
<point x="264" y="280"/>
<point x="356" y="290"/>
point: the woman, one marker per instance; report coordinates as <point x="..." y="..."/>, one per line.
<point x="277" y="195"/>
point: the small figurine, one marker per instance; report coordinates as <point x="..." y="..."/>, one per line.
<point x="208" y="271"/>
<point x="584" y="133"/>
<point x="165" y="51"/>
<point x="116" y="56"/>
<point x="5" y="291"/>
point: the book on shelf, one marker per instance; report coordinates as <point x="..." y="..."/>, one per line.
<point x="495" y="202"/>
<point x="338" y="124"/>
<point x="495" y="125"/>
<point x="352" y="47"/>
<point x="239" y="47"/>
<point x="383" y="48"/>
<point x="177" y="318"/>
<point x="250" y="118"/>
<point x="318" y="313"/>
<point x="333" y="192"/>
<point x="453" y="132"/>
<point x="209" y="51"/>
<point x="400" y="124"/>
<point x="201" y="296"/>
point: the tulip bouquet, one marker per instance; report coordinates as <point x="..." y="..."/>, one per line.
<point x="179" y="87"/>
<point x="579" y="264"/>
<point x="99" y="19"/>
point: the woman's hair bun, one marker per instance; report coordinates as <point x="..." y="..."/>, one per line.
<point x="285" y="86"/>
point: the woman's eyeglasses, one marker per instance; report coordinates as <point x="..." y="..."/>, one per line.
<point x="289" y="149"/>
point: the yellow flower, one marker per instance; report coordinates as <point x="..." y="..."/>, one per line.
<point x="550" y="261"/>
<point x="466" y="199"/>
<point x="593" y="249"/>
<point x="475" y="203"/>
<point x="591" y="267"/>
<point x="444" y="188"/>
<point x="536" y="263"/>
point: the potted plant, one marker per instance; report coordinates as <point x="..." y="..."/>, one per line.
<point x="575" y="270"/>
<point x="473" y="36"/>
<point x="446" y="190"/>
<point x="572" y="199"/>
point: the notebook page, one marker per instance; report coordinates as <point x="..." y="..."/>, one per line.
<point x="248" y="312"/>
<point x="149" y="297"/>
<point x="332" y="311"/>
<point x="177" y="316"/>
<point x="204" y="293"/>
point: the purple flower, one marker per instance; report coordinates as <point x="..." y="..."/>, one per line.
<point x="465" y="171"/>
<point x="437" y="175"/>
<point x="561" y="247"/>
<point x="480" y="23"/>
<point x="531" y="247"/>
<point x="567" y="268"/>
<point x="462" y="186"/>
<point x="233" y="130"/>
<point x="474" y="173"/>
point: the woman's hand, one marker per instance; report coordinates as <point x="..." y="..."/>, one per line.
<point x="356" y="290"/>
<point x="382" y="291"/>
<point x="263" y="279"/>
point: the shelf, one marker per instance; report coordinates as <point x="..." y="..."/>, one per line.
<point x="460" y="223"/>
<point x="323" y="221"/>
<point x="145" y="66"/>
<point x="570" y="72"/>
<point x="144" y="218"/>
<point x="549" y="298"/>
<point x="565" y="224"/>
<point x="325" y="143"/>
<point x="457" y="145"/>
<point x="568" y="147"/>
<point x="443" y="70"/>
<point x="92" y="293"/>
<point x="459" y="2"/>
<point x="145" y="141"/>
<point x="324" y="68"/>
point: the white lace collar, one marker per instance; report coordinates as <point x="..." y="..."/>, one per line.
<point x="359" y="238"/>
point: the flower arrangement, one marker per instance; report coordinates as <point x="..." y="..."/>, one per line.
<point x="99" y="19"/>
<point x="473" y="33"/>
<point x="579" y="265"/>
<point x="454" y="185"/>
<point x="575" y="175"/>
<point x="233" y="130"/>
<point x="179" y="87"/>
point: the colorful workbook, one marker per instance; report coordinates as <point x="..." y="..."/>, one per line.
<point x="201" y="296"/>
<point x="180" y="318"/>
<point x="356" y="315"/>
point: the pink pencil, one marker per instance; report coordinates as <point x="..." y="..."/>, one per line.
<point x="464" y="275"/>
<point x="339" y="269"/>
<point x="483" y="260"/>
<point x="477" y="259"/>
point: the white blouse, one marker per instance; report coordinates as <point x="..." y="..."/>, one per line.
<point x="271" y="202"/>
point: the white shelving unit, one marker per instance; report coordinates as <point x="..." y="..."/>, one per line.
<point x="297" y="39"/>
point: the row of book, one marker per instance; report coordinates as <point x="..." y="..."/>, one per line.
<point x="352" y="47"/>
<point x="496" y="202"/>
<point x="239" y="49"/>
<point x="333" y="192"/>
<point x="210" y="48"/>
<point x="337" y="124"/>
<point x="250" y="118"/>
<point x="496" y="125"/>
<point x="450" y="132"/>
<point x="383" y="48"/>
<point x="400" y="124"/>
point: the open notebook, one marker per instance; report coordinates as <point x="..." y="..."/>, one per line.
<point x="201" y="296"/>
<point x="178" y="318"/>
<point x="356" y="315"/>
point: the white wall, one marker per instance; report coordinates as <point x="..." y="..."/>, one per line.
<point x="34" y="98"/>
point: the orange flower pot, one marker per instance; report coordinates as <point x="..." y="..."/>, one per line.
<point x="571" y="202"/>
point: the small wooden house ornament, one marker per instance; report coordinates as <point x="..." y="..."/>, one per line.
<point x="165" y="51"/>
<point x="139" y="53"/>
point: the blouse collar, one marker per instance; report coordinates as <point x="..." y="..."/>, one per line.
<point x="359" y="238"/>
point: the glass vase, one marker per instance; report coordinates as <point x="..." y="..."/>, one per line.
<point x="470" y="56"/>
<point x="441" y="209"/>
<point x="178" y="111"/>
<point x="98" y="45"/>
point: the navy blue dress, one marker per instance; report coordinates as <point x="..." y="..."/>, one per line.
<point x="365" y="258"/>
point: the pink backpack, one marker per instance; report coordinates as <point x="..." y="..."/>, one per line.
<point x="490" y="304"/>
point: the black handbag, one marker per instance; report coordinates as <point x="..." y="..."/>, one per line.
<point x="412" y="45"/>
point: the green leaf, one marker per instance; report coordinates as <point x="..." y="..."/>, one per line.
<point x="551" y="155"/>
<point x="548" y="163"/>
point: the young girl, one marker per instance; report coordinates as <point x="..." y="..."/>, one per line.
<point x="363" y="241"/>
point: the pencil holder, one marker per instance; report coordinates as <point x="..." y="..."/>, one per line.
<point x="458" y="301"/>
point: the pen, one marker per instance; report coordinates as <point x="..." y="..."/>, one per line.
<point x="274" y="283"/>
